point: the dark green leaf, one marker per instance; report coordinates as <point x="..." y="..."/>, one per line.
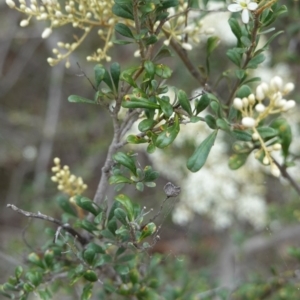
<point x="99" y="74"/>
<point x="87" y="292"/>
<point x="115" y="72"/>
<point x="146" y="125"/>
<point x="133" y="102"/>
<point x="285" y="133"/>
<point x="184" y="102"/>
<point x="112" y="225"/>
<point x="123" y="11"/>
<point x="87" y="205"/>
<point x="135" y="139"/>
<point x="243" y="91"/>
<point x="121" y="215"/>
<point x="122" y="269"/>
<point x="168" y="135"/>
<point x="212" y="44"/>
<point x="202" y="103"/>
<point x="237" y="160"/>
<point x="210" y="121"/>
<point x="123" y="30"/>
<point x="78" y="99"/>
<point x="235" y="27"/>
<point x="198" y="159"/>
<point x="234" y="56"/>
<point x="162" y="53"/>
<point x="126" y="161"/>
<point x="115" y="179"/>
<point x="246" y="41"/>
<point x="66" y="206"/>
<point x="222" y="124"/>
<point x="139" y="186"/>
<point x="126" y="202"/>
<point x="90" y="275"/>
<point x="242" y="135"/>
<point x="163" y="71"/>
<point x="255" y="61"/>
<point x="165" y="106"/>
<point x="267" y="132"/>
<point x="89" y="256"/>
<point x="149" y="67"/>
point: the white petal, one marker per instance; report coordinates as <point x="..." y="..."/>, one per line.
<point x="245" y="16"/>
<point x="252" y="6"/>
<point x="234" y="7"/>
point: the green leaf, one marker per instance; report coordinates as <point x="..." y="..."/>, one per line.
<point x="235" y="27"/>
<point x="115" y="72"/>
<point x="78" y="99"/>
<point x="90" y="275"/>
<point x="198" y="159"/>
<point x="246" y="41"/>
<point x="121" y="215"/>
<point x="127" y="76"/>
<point x="162" y="53"/>
<point x="148" y="230"/>
<point x="126" y="161"/>
<point x="253" y="79"/>
<point x="89" y="255"/>
<point x="87" y="204"/>
<point x="212" y="44"/>
<point x="152" y="39"/>
<point x="146" y="125"/>
<point x="168" y="135"/>
<point x="243" y="91"/>
<point x="135" y="139"/>
<point x="210" y="121"/>
<point x="222" y="124"/>
<point x="96" y="248"/>
<point x="87" y="292"/>
<point x="134" y="102"/>
<point x="126" y="202"/>
<point x="234" y="56"/>
<point x="87" y="225"/>
<point x="151" y="148"/>
<point x="19" y="271"/>
<point x="184" y="102"/>
<point x="122" y="269"/>
<point x="112" y="210"/>
<point x="267" y="132"/>
<point x="266" y="46"/>
<point x="123" y="11"/>
<point x="255" y="61"/>
<point x="149" y="174"/>
<point x="112" y="225"/>
<point x="149" y="67"/>
<point x="237" y="160"/>
<point x="139" y="186"/>
<point x="202" y="103"/>
<point x="163" y="71"/>
<point x="66" y="206"/>
<point x="285" y="134"/>
<point x="124" y="30"/>
<point x="35" y="259"/>
<point x="240" y="73"/>
<point x="99" y="74"/>
<point x="165" y="106"/>
<point x="115" y="179"/>
<point x="242" y="135"/>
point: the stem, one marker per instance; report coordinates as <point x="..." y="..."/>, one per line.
<point x="249" y="55"/>
<point x="287" y="176"/>
<point x="66" y="227"/>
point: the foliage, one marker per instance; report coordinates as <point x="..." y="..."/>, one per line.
<point x="104" y="250"/>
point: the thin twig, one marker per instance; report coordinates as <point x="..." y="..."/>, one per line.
<point x="39" y="215"/>
<point x="89" y="80"/>
<point x="287" y="176"/>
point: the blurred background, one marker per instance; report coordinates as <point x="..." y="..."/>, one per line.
<point x="230" y="235"/>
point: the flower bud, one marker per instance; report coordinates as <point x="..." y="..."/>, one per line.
<point x="274" y="170"/>
<point x="289" y="87"/>
<point x="251" y="99"/>
<point x="24" y="23"/>
<point x="187" y="46"/>
<point x="266" y="160"/>
<point x="46" y="33"/>
<point x="238" y="103"/>
<point x="277" y="147"/>
<point x="260" y="95"/>
<point x="276" y="83"/>
<point x="260" y="107"/>
<point x="248" y="122"/>
<point x="288" y="105"/>
<point x="10" y="3"/>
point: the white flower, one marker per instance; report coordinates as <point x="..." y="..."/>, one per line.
<point x="245" y="6"/>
